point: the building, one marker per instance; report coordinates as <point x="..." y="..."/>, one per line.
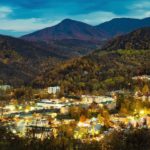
<point x="109" y="102"/>
<point x="143" y="77"/>
<point x="5" y="87"/>
<point x="97" y="99"/>
<point x="64" y="110"/>
<point x="53" y="90"/>
<point x="45" y="103"/>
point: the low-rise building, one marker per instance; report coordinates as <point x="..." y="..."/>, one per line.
<point x="45" y="103"/>
<point x="5" y="87"/>
<point x="53" y="89"/>
<point x="104" y="100"/>
<point x="142" y="77"/>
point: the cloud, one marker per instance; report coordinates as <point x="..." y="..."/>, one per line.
<point x="46" y="8"/>
<point x="24" y="25"/>
<point x="140" y="9"/>
<point x="4" y="11"/>
<point x="32" y="24"/>
<point x="141" y="5"/>
<point x="97" y="17"/>
<point x="140" y="14"/>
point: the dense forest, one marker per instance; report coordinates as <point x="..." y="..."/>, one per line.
<point x="100" y="70"/>
<point x="117" y="140"/>
<point x="21" y="61"/>
<point x="138" y="39"/>
<point x="110" y="68"/>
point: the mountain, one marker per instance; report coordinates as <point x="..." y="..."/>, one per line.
<point x="68" y="29"/>
<point x="23" y="48"/>
<point x="71" y="29"/>
<point x="69" y="37"/>
<point x="102" y="70"/>
<point x="21" y="60"/>
<point x="138" y="39"/>
<point x="72" y="38"/>
<point x="34" y="61"/>
<point x="119" y="26"/>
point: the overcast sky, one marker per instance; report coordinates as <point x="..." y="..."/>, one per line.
<point x="18" y="17"/>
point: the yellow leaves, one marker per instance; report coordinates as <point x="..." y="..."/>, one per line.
<point x="145" y="89"/>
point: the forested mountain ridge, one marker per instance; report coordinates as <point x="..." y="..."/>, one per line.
<point x="69" y="36"/>
<point x="102" y="70"/>
<point x="99" y="71"/>
<point x="67" y="29"/>
<point x="20" y="60"/>
<point x="34" y="63"/>
<point x="138" y="39"/>
<point x="120" y="26"/>
<point x="73" y="38"/>
<point x="77" y="30"/>
<point x="24" y="48"/>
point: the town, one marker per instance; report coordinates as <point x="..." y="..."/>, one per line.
<point x="86" y="117"/>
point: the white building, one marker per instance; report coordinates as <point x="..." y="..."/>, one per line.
<point x="45" y="103"/>
<point x="97" y="99"/>
<point x="5" y="87"/>
<point x="143" y="77"/>
<point x="101" y="100"/>
<point x="53" y="89"/>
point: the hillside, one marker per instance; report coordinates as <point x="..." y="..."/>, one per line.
<point x="138" y="39"/>
<point x="119" y="26"/>
<point x="69" y="38"/>
<point x="20" y="60"/>
<point x="35" y="63"/>
<point x="56" y="49"/>
<point x="72" y="29"/>
<point x="102" y="70"/>
<point x="21" y="47"/>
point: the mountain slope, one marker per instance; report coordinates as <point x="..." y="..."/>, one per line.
<point x="138" y="39"/>
<point x="120" y="26"/>
<point x="102" y="70"/>
<point x="67" y="29"/>
<point x="69" y="37"/>
<point x="73" y="38"/>
<point x="20" y="60"/>
<point x="22" y="47"/>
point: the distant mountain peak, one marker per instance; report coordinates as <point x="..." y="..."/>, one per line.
<point x="67" y="20"/>
<point x="138" y="39"/>
<point x="70" y="22"/>
<point x="77" y="30"/>
<point x="67" y="29"/>
<point x="120" y="26"/>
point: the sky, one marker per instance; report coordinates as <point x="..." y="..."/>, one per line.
<point x="19" y="17"/>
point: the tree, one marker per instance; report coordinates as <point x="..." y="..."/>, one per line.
<point x="145" y="90"/>
<point x="82" y="118"/>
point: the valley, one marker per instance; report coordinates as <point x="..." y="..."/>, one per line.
<point x="75" y="86"/>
